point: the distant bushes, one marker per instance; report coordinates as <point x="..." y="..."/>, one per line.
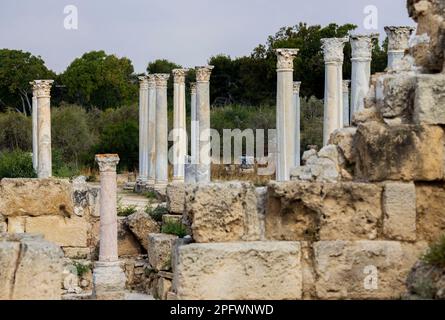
<point x="16" y="164"/>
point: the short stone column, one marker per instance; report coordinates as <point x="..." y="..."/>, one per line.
<point x="42" y="89"/>
<point x="361" y="70"/>
<point x="398" y="43"/>
<point x="179" y="125"/>
<point x="151" y="141"/>
<point x="143" y="129"/>
<point x="297" y="106"/>
<point x="333" y="101"/>
<point x="35" y="140"/>
<point x="161" y="131"/>
<point x="285" y="113"/>
<point x="346" y="108"/>
<point x="203" y="168"/>
<point x="108" y="277"/>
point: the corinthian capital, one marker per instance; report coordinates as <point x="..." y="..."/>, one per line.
<point x="285" y="58"/>
<point x="362" y="46"/>
<point x="161" y="79"/>
<point x="179" y="75"/>
<point x="143" y="82"/>
<point x="151" y="81"/>
<point x="107" y="162"/>
<point x="398" y="37"/>
<point x="203" y="73"/>
<point x="296" y="87"/>
<point x="333" y="49"/>
<point x="41" y="88"/>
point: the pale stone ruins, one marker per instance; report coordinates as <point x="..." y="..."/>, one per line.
<point x="350" y="221"/>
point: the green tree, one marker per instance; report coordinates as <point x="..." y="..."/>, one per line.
<point x="164" y="66"/>
<point x="15" y="131"/>
<point x="100" y="80"/>
<point x="17" y="69"/>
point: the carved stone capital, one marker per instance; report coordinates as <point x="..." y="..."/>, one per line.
<point x="193" y="87"/>
<point x="42" y="88"/>
<point x="346" y="84"/>
<point x="179" y="75"/>
<point x="107" y="162"/>
<point x="285" y="58"/>
<point x="398" y="37"/>
<point x="151" y="81"/>
<point x="333" y="49"/>
<point x="203" y="73"/>
<point x="362" y="46"/>
<point x="296" y="87"/>
<point x="161" y="79"/>
<point x="143" y="82"/>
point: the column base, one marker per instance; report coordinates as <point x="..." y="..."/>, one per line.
<point x="178" y="180"/>
<point x="108" y="281"/>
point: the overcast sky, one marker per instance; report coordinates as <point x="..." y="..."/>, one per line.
<point x="186" y="32"/>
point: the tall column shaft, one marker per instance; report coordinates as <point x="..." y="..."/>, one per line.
<point x="151" y="140"/>
<point x="108" y="204"/>
<point x="161" y="130"/>
<point x="333" y="101"/>
<point x="194" y="128"/>
<point x="35" y="143"/>
<point x="346" y="107"/>
<point x="203" y="170"/>
<point x="42" y="88"/>
<point x="398" y="43"/>
<point x="179" y="125"/>
<point x="285" y="113"/>
<point x="361" y="70"/>
<point x="143" y="128"/>
<point x="297" y="107"/>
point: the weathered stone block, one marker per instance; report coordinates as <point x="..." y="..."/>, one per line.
<point x="399" y="207"/>
<point x="170" y="218"/>
<point x="176" y="198"/>
<point x="16" y="224"/>
<point x="31" y="268"/>
<point x="363" y="269"/>
<point x="343" y="139"/>
<point x="323" y="211"/>
<point x="223" y="212"/>
<point x="430" y="99"/>
<point x="66" y="232"/>
<point x="36" y="197"/>
<point x="239" y="271"/>
<point x="141" y="224"/>
<point x="403" y="152"/>
<point x="160" y="248"/>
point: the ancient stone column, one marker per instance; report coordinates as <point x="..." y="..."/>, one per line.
<point x="42" y="89"/>
<point x="179" y="125"/>
<point x="151" y="141"/>
<point x="333" y="101"/>
<point x="108" y="277"/>
<point x="161" y="131"/>
<point x="361" y="70"/>
<point x="285" y="113"/>
<point x="398" y="43"/>
<point x="346" y="109"/>
<point x="194" y="128"/>
<point x="35" y="144"/>
<point x="297" y="111"/>
<point x="143" y="129"/>
<point x="203" y="168"/>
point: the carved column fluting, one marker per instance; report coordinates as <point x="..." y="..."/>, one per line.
<point x="194" y="137"/>
<point x="297" y="110"/>
<point x="108" y="277"/>
<point x="42" y="89"/>
<point x="179" y="125"/>
<point x="143" y="129"/>
<point x="285" y="113"/>
<point x="333" y="101"/>
<point x="346" y="108"/>
<point x="35" y="140"/>
<point x="398" y="43"/>
<point x="361" y="70"/>
<point x="161" y="130"/>
<point x="203" y="168"/>
<point x="151" y="141"/>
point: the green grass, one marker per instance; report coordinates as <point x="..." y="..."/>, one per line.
<point x="81" y="268"/>
<point x="126" y="211"/>
<point x="174" y="228"/>
<point x="436" y="254"/>
<point x="157" y="213"/>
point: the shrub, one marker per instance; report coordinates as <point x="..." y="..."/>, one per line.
<point x="436" y="254"/>
<point x="126" y="211"/>
<point x="15" y="131"/>
<point x="175" y="228"/>
<point x="16" y="164"/>
<point x="157" y="213"/>
<point x="81" y="268"/>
